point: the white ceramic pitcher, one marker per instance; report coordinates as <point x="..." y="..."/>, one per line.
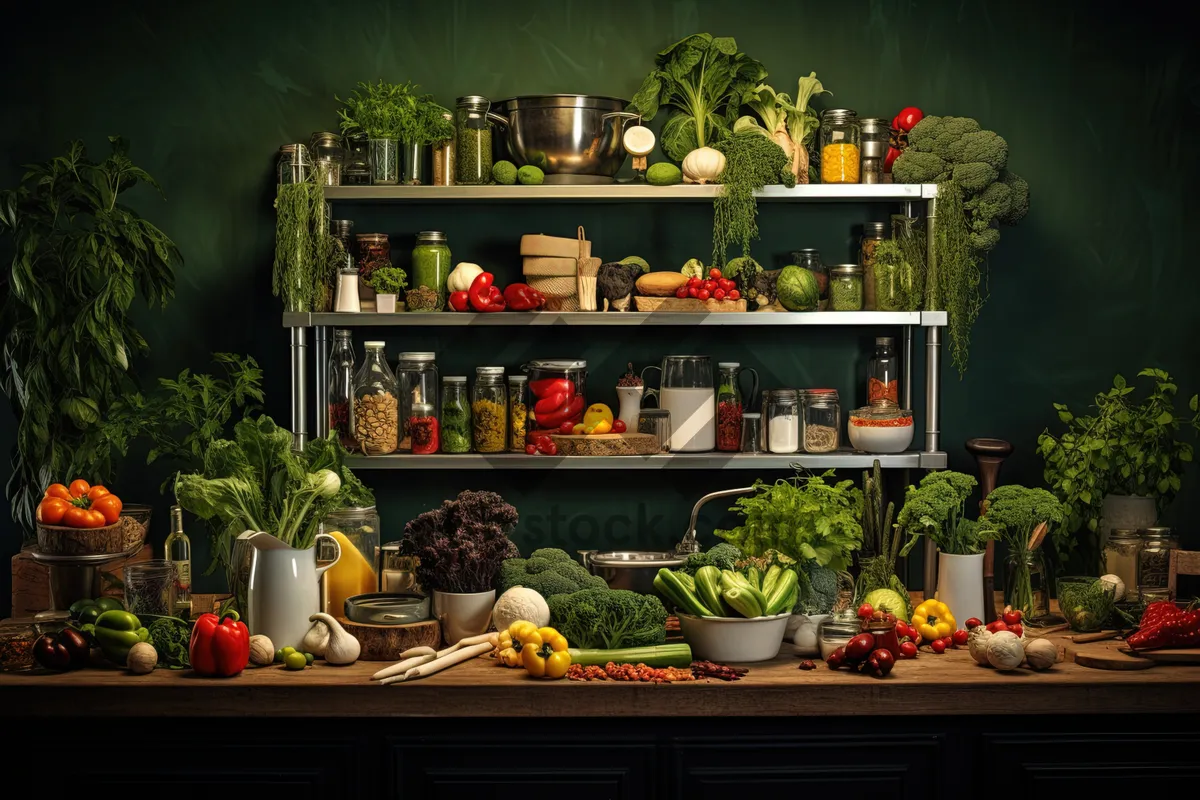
<point x="281" y="586"/>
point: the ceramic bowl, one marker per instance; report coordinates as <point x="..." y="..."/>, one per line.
<point x="734" y="639"/>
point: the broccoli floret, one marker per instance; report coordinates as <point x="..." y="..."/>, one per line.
<point x="986" y="146"/>
<point x="1014" y="511"/>
<point x="504" y="172"/>
<point x="609" y="619"/>
<point x="915" y="166"/>
<point x="974" y="176"/>
<point x="938" y="504"/>
<point x="937" y="134"/>
<point x="818" y="589"/>
<point x="548" y="571"/>
<point x="530" y="175"/>
<point x="722" y="556"/>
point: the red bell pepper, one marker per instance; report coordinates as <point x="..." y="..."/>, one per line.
<point x="571" y="410"/>
<point x="547" y="386"/>
<point x="459" y="301"/>
<point x="523" y="297"/>
<point x="220" y="646"/>
<point x="483" y="295"/>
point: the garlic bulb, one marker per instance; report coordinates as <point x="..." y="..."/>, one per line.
<point x="340" y="647"/>
<point x="1004" y="651"/>
<point x="316" y="639"/>
<point x="703" y="165"/>
<point x="142" y="658"/>
<point x="262" y="651"/>
<point x="977" y="642"/>
<point x="1040" y="654"/>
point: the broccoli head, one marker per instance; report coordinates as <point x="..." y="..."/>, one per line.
<point x="818" y="589"/>
<point x="915" y="166"/>
<point x="1014" y="511"/>
<point x="721" y="556"/>
<point x="548" y="571"/>
<point x="937" y="134"/>
<point x="987" y="147"/>
<point x="609" y="619"/>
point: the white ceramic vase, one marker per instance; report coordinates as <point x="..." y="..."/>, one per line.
<point x="960" y="585"/>
<point x="463" y="615"/>
<point x="281" y="589"/>
<point x="630" y="404"/>
<point x="385" y="303"/>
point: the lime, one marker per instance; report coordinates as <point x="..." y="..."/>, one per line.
<point x="294" y="660"/>
<point x="308" y="658"/>
<point x="287" y="651"/>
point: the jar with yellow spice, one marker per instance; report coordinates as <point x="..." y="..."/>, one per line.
<point x="840" y="140"/>
<point x="489" y="411"/>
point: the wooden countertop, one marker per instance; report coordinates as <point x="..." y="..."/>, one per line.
<point x="942" y="684"/>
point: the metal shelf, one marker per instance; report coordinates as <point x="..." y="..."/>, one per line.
<point x="631" y="192"/>
<point x="925" y="319"/>
<point x="845" y="459"/>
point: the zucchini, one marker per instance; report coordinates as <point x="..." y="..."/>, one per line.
<point x="683" y="598"/>
<point x="785" y="589"/>
<point x="770" y="578"/>
<point x="708" y="589"/>
<point x="743" y="601"/>
<point x="658" y="656"/>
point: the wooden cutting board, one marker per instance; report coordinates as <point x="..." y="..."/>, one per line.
<point x="607" y="444"/>
<point x="1183" y="656"/>
<point x="1110" y="660"/>
<point x="387" y="642"/>
<point x="675" y="304"/>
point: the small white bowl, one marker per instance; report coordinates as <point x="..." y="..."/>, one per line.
<point x="880" y="439"/>
<point x="802" y="631"/>
<point x="734" y="639"/>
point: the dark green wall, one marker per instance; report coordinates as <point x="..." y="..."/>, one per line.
<point x="1099" y="108"/>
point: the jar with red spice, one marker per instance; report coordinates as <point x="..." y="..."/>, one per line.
<point x="881" y="429"/>
<point x="423" y="429"/>
<point x="883" y="384"/>
<point x="556" y="391"/>
<point x="730" y="404"/>
<point x="884" y="632"/>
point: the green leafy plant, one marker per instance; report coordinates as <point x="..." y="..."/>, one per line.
<point x="937" y="509"/>
<point x="81" y="259"/>
<point x="1127" y="446"/>
<point x="388" y="280"/>
<point x="394" y="111"/>
<point x="307" y="256"/>
<point x="702" y="78"/>
<point x="751" y="162"/>
<point x="1012" y="514"/>
<point x="804" y="518"/>
<point x="791" y="125"/>
<point x="881" y="540"/>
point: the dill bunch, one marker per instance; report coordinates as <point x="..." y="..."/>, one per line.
<point x="752" y="161"/>
<point x="306" y="254"/>
<point x="956" y="284"/>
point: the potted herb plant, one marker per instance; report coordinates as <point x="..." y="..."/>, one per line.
<point x="459" y="548"/>
<point x="388" y="283"/>
<point x="937" y="508"/>
<point x="395" y="118"/>
<point x="1117" y="467"/>
<point x="424" y="123"/>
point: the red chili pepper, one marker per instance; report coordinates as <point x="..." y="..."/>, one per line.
<point x="892" y="154"/>
<point x="1171" y="627"/>
<point x="485" y="297"/>
<point x="459" y="301"/>
<point x="522" y="297"/>
<point x="220" y="646"/>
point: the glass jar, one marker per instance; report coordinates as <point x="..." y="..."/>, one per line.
<point x="810" y="259"/>
<point x="840" y="137"/>
<point x="374" y="252"/>
<point x="356" y="170"/>
<point x="1154" y="564"/>
<point x="845" y="288"/>
<point x="473" y="141"/>
<point x="384" y="158"/>
<point x="833" y="632"/>
<point x="883" y="383"/>
<point x="876" y="135"/>
<point x="782" y="412"/>
<point x="1121" y="557"/>
<point x="455" y="415"/>
<point x="431" y="267"/>
<point x="1025" y="583"/>
<point x="822" y="421"/>
<point x="329" y="155"/>
<point x="17" y="637"/>
<point x="376" y="408"/>
<point x="443" y="158"/>
<point x="399" y="574"/>
<point x="553" y="377"/>
<point x="423" y="429"/>
<point x="751" y="432"/>
<point x="518" y="411"/>
<point x="730" y="404"/>
<point x="416" y="382"/>
<point x="342" y="230"/>
<point x="1085" y="602"/>
<point x="150" y="587"/>
<point x="356" y="572"/>
<point x="294" y="165"/>
<point x="657" y="423"/>
<point x="880" y="429"/>
<point x="489" y="410"/>
<point x="340" y="394"/>
<point x="889" y="282"/>
<point x="873" y="234"/>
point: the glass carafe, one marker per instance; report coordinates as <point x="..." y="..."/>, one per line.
<point x="686" y="390"/>
<point x="883" y="385"/>
<point x="340" y="397"/>
<point x="731" y="404"/>
<point x="376" y="409"/>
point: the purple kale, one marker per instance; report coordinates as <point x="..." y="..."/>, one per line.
<point x="461" y="545"/>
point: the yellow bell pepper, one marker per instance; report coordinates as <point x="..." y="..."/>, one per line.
<point x="509" y="657"/>
<point x="933" y="620"/>
<point x="544" y="661"/>
<point x="598" y="418"/>
<point x="553" y="639"/>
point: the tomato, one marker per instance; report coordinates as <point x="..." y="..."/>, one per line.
<point x="726" y="284"/>
<point x="710" y="285"/>
<point x="908" y="118"/>
<point x="79" y="487"/>
<point x="960" y="637"/>
<point x="902" y="629"/>
<point x="693" y="291"/>
<point x="681" y="292"/>
<point x="997" y="626"/>
<point x="908" y="650"/>
<point x="974" y="622"/>
<point x="938" y="646"/>
<point x="548" y="449"/>
<point x="58" y="490"/>
<point x="531" y="449"/>
<point x="734" y="294"/>
<point x="96" y="492"/>
<point x="618" y="426"/>
<point x="714" y="273"/>
<point x="718" y="293"/>
<point x="1017" y="629"/>
<point x="51" y="510"/>
<point x="109" y="506"/>
<point x="703" y="294"/>
<point x="83" y="518"/>
<point x="566" y="428"/>
<point x="694" y="282"/>
<point x="865" y="611"/>
<point x="1012" y="617"/>
<point x="860" y="646"/>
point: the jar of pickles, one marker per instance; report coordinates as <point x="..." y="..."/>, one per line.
<point x="810" y="259"/>
<point x="455" y="415"/>
<point x="376" y="407"/>
<point x="489" y="411"/>
<point x="845" y="287"/>
<point x="820" y="432"/>
<point x="518" y="411"/>
<point x="416" y="382"/>
<point x="840" y="139"/>
<point x="431" y="267"/>
<point x="557" y="386"/>
<point x="473" y="141"/>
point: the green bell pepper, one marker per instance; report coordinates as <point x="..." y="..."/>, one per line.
<point x="87" y="611"/>
<point x="116" y="632"/>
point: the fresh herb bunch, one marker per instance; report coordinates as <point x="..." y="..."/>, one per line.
<point x="914" y="251"/>
<point x="791" y="125"/>
<point x="956" y="285"/>
<point x="1127" y="446"/>
<point x="80" y="260"/>
<point x="461" y="545"/>
<point x="751" y="162"/>
<point x="394" y="111"/>
<point x="804" y="518"/>
<point x="307" y="256"/>
<point x="893" y="256"/>
<point x="938" y="509"/>
<point x="388" y="280"/>
<point x="702" y="78"/>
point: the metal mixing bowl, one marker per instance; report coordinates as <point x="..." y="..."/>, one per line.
<point x="630" y="569"/>
<point x="573" y="138"/>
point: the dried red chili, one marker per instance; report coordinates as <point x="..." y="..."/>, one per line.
<point x="729" y="426"/>
<point x="878" y="390"/>
<point x="708" y="669"/>
<point x="424" y="433"/>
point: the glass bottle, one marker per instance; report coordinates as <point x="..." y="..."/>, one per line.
<point x="1154" y="564"/>
<point x="489" y="410"/>
<point x="455" y="415"/>
<point x="443" y="158"/>
<point x="473" y="141"/>
<point x="416" y="382"/>
<point x="840" y="137"/>
<point x="431" y="267"/>
<point x="751" y="432"/>
<point x="821" y="431"/>
<point x="873" y="234"/>
<point x="845" y="288"/>
<point x="883" y="384"/>
<point x="178" y="548"/>
<point x="1025" y="583"/>
<point x="1121" y="556"/>
<point x="329" y="155"/>
<point x="810" y="259"/>
<point x="356" y="171"/>
<point x="340" y="397"/>
<point x="731" y="404"/>
<point x="518" y="411"/>
<point x="376" y="408"/>
<point x="783" y="421"/>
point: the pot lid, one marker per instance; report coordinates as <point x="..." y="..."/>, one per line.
<point x="635" y="559"/>
<point x="557" y="364"/>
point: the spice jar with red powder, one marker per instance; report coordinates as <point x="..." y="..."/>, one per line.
<point x="423" y="429"/>
<point x="730" y="404"/>
<point x="883" y="385"/>
<point x="878" y="429"/>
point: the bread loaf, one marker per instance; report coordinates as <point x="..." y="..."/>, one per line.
<point x="660" y="284"/>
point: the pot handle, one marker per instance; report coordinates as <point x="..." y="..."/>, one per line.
<point x="321" y="568"/>
<point x="622" y="115"/>
<point x="648" y="391"/>
<point x="499" y="119"/>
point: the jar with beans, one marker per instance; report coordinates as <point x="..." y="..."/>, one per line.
<point x="376" y="408"/>
<point x="822" y="424"/>
<point x="489" y="410"/>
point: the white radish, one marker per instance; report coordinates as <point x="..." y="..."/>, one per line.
<point x="439" y="664"/>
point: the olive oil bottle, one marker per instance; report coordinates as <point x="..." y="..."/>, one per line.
<point x="179" y="550"/>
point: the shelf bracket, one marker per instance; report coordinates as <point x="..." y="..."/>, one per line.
<point x="321" y="378"/>
<point x="299" y="390"/>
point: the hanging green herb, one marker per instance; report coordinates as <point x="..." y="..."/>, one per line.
<point x="306" y="254"/>
<point x="957" y="281"/>
<point x="752" y="161"/>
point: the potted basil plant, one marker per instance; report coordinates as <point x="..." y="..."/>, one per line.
<point x="395" y="119"/>
<point x="388" y="283"/>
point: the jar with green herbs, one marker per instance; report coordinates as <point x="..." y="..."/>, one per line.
<point x="890" y="276"/>
<point x="873" y="234"/>
<point x="518" y="411"/>
<point x="455" y="415"/>
<point x="489" y="411"/>
<point x="473" y="141"/>
<point x="846" y="288"/>
<point x="1154" y="564"/>
<point x="431" y="267"/>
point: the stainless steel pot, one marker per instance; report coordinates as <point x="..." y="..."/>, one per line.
<point x="573" y="138"/>
<point x="630" y="569"/>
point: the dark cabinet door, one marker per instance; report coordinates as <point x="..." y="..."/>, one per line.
<point x="846" y="766"/>
<point x="452" y="769"/>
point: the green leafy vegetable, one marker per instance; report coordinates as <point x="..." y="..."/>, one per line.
<point x="791" y="125"/>
<point x="609" y="618"/>
<point x="170" y="637"/>
<point x="394" y="111"/>
<point x="389" y="280"/>
<point x="702" y="79"/>
<point x="938" y="509"/>
<point x="751" y="162"/>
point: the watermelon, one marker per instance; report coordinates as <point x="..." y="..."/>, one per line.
<point x="797" y="289"/>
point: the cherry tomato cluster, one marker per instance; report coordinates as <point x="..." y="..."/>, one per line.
<point x="902" y="124"/>
<point x="1011" y="620"/>
<point x="715" y="286"/>
<point x="79" y="505"/>
<point x="540" y="443"/>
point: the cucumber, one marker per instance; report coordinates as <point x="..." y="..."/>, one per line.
<point x="658" y="656"/>
<point x="785" y="588"/>
<point x="743" y="601"/>
<point x="669" y="584"/>
<point x="769" y="579"/>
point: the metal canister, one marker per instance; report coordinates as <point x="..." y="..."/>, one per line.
<point x="295" y="163"/>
